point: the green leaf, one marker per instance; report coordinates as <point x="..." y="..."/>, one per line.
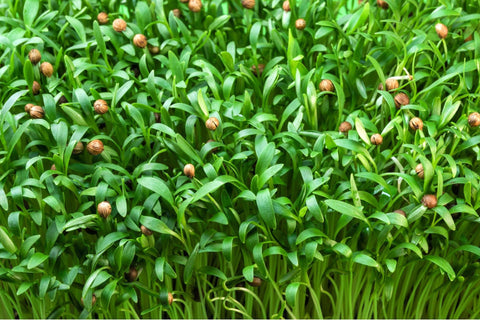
<point x="364" y="259"/>
<point x="346" y="209"/>
<point x="443" y="264"/>
<point x="190" y="266"/>
<point x="219" y="22"/>
<point x="159" y="226"/>
<point x="309" y="233"/>
<point x="291" y="293"/>
<point x="6" y="242"/>
<point x="158" y="186"/>
<point x="37" y="259"/>
<point x="30" y="10"/>
<point x="265" y="208"/>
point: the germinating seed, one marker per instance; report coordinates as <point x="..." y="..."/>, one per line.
<point x="441" y="30"/>
<point x="36" y="88"/>
<point x="36" y="112"/>
<point x="104" y="209"/>
<point x="248" y="4"/>
<point x="34" y="56"/>
<point x="429" y="201"/>
<point x="419" y="170"/>
<point x="345" y="127"/>
<point x="139" y="40"/>
<point x="102" y="18"/>
<point x="401" y="99"/>
<point x="326" y="85"/>
<point x="376" y="139"/>
<point x="100" y="106"/>
<point x="300" y="24"/>
<point x="195" y="5"/>
<point x="474" y="119"/>
<point x="47" y="69"/>
<point x="416" y="124"/>
<point x="95" y="147"/>
<point x="189" y="170"/>
<point x="119" y="25"/>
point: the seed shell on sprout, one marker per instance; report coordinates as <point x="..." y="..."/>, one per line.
<point x="104" y="209"/>
<point x="416" y="123"/>
<point x="140" y="41"/>
<point x="344" y="127"/>
<point x="46" y="69"/>
<point x="100" y="106"/>
<point x="189" y="170"/>
<point x="300" y="24"/>
<point x="95" y="147"/>
<point x="37" y="112"/>
<point x="326" y="86"/>
<point x="429" y="201"/>
<point x="34" y="56"/>
<point x="248" y="4"/>
<point x="286" y="6"/>
<point x="474" y="119"/>
<point x="401" y="99"/>
<point x="419" y="170"/>
<point x="376" y="139"/>
<point x="195" y="5"/>
<point x="442" y="30"/>
<point x="119" y="25"/>
<point x="212" y="123"/>
<point x="102" y="18"/>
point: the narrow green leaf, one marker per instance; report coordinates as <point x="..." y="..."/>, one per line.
<point x="265" y="208"/>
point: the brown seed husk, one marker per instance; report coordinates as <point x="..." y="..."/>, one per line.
<point x="119" y="25"/>
<point x="102" y="18"/>
<point x="34" y="56"/>
<point x="474" y="119"/>
<point x="78" y="148"/>
<point x="248" y="4"/>
<point x="47" y="69"/>
<point x="376" y="139"/>
<point x="401" y="99"/>
<point x="256" y="282"/>
<point x="95" y="147"/>
<point x="189" y="170"/>
<point x="212" y="123"/>
<point x="170" y="298"/>
<point x="300" y="24"/>
<point x="286" y="6"/>
<point x="104" y="209"/>
<point x="326" y="85"/>
<point x="146" y="231"/>
<point x="258" y="70"/>
<point x="399" y="211"/>
<point x="429" y="201"/>
<point x="416" y="123"/>
<point x="100" y="106"/>
<point x="132" y="274"/>
<point x="28" y="106"/>
<point x="177" y="13"/>
<point x="37" y="112"/>
<point x="382" y="4"/>
<point x="140" y="41"/>
<point x="442" y="30"/>
<point x="391" y="84"/>
<point x="195" y="5"/>
<point x="36" y="88"/>
<point x="419" y="170"/>
<point x="345" y="127"/>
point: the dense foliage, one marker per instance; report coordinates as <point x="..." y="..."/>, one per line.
<point x="216" y="176"/>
